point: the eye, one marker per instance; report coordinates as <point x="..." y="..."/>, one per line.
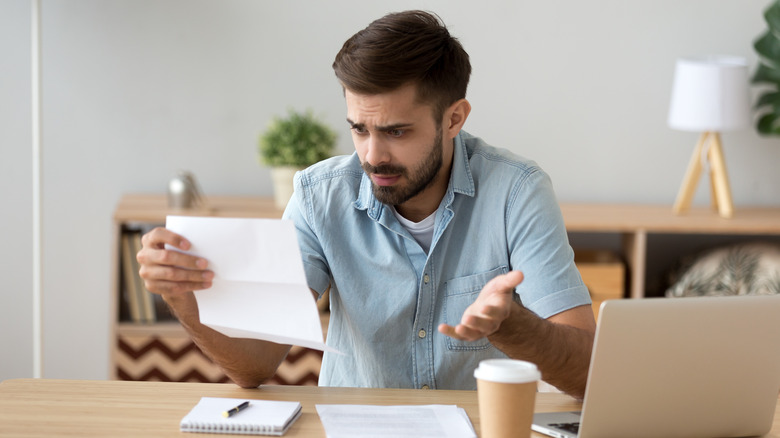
<point x="359" y="130"/>
<point x="396" y="133"/>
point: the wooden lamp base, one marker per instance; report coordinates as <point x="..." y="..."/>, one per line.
<point x="721" y="191"/>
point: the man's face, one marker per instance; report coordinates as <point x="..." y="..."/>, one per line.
<point x="398" y="142"/>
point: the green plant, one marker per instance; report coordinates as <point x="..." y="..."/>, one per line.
<point x="768" y="72"/>
<point x="297" y="140"/>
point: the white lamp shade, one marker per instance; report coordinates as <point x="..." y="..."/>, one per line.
<point x="710" y="93"/>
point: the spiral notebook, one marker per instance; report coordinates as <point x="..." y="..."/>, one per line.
<point x="261" y="417"/>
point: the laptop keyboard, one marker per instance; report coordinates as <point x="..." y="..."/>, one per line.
<point x="568" y="427"/>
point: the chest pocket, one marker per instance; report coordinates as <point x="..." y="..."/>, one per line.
<point x="460" y="293"/>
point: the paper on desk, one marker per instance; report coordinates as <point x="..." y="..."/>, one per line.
<point x="427" y="421"/>
<point x="259" y="289"/>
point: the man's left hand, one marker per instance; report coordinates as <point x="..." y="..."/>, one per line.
<point x="484" y="317"/>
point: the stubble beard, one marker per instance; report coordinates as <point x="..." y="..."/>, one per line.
<point x="419" y="179"/>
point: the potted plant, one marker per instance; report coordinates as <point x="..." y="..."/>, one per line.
<point x="768" y="72"/>
<point x="290" y="144"/>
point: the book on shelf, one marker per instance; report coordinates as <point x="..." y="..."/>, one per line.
<point x="148" y="313"/>
<point x="140" y="305"/>
<point x="131" y="278"/>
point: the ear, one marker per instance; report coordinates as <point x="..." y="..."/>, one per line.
<point x="455" y="117"/>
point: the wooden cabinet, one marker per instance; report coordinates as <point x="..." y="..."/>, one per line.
<point x="639" y="227"/>
<point x="161" y="350"/>
<point x="604" y="274"/>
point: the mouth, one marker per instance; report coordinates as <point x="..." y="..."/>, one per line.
<point x="384" y="180"/>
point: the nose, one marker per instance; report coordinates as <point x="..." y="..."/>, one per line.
<point x="377" y="152"/>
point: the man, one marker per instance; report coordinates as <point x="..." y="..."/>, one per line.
<point x="437" y="249"/>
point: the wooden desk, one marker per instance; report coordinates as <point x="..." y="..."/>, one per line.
<point x="50" y="408"/>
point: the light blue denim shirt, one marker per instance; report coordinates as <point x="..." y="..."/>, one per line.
<point x="387" y="296"/>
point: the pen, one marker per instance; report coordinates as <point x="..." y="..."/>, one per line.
<point x="231" y="412"/>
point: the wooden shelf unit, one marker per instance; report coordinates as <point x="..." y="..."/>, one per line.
<point x="151" y="210"/>
<point x="162" y="350"/>
<point x="635" y="223"/>
<point x="632" y="223"/>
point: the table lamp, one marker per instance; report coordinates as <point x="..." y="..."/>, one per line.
<point x="710" y="95"/>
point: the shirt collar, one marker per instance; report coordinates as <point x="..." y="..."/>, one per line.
<point x="461" y="181"/>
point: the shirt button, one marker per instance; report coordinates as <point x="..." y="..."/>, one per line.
<point x="425" y="387"/>
<point x="421" y="333"/>
<point x="426" y="278"/>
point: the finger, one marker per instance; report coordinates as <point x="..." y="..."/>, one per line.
<point x="169" y="273"/>
<point x="150" y="256"/>
<point x="449" y="330"/>
<point x="168" y="287"/>
<point x="460" y="332"/>
<point x="505" y="283"/>
<point x="481" y="324"/>
<point x="496" y="311"/>
<point x="469" y="334"/>
<point x="159" y="237"/>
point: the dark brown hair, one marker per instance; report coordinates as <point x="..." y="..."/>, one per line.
<point x="402" y="48"/>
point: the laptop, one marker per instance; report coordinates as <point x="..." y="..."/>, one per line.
<point x="679" y="367"/>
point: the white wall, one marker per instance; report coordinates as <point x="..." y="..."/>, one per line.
<point x="15" y="192"/>
<point x="136" y="89"/>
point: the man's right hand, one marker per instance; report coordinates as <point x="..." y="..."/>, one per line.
<point x="167" y="271"/>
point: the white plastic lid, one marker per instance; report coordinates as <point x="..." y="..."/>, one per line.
<point x="507" y="371"/>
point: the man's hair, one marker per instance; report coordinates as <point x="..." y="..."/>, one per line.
<point x="402" y="48"/>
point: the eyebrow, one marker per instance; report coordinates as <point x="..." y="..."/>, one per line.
<point x="380" y="128"/>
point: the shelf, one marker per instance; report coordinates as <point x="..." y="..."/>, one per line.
<point x="163" y="350"/>
<point x="152" y="208"/>
<point x="635" y="225"/>
<point x="660" y="219"/>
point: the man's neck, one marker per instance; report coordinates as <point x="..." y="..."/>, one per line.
<point x="414" y="214"/>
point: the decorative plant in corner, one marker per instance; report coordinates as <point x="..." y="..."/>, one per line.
<point x="768" y="72"/>
<point x="293" y="143"/>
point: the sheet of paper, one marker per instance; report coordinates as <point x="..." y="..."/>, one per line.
<point x="426" y="421"/>
<point x="259" y="289"/>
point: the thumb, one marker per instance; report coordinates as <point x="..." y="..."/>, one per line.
<point x="505" y="283"/>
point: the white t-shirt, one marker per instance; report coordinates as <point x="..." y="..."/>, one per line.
<point x="421" y="231"/>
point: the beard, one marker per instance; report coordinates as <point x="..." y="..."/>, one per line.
<point x="419" y="178"/>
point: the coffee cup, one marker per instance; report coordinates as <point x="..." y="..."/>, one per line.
<point x="506" y="390"/>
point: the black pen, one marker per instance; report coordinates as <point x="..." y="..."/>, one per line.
<point x="235" y="410"/>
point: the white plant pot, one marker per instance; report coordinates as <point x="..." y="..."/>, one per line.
<point x="282" y="178"/>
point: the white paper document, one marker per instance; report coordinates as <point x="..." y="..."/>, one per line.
<point x="427" y="421"/>
<point x="259" y="289"/>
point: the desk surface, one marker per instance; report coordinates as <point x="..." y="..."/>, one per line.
<point x="49" y="408"/>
